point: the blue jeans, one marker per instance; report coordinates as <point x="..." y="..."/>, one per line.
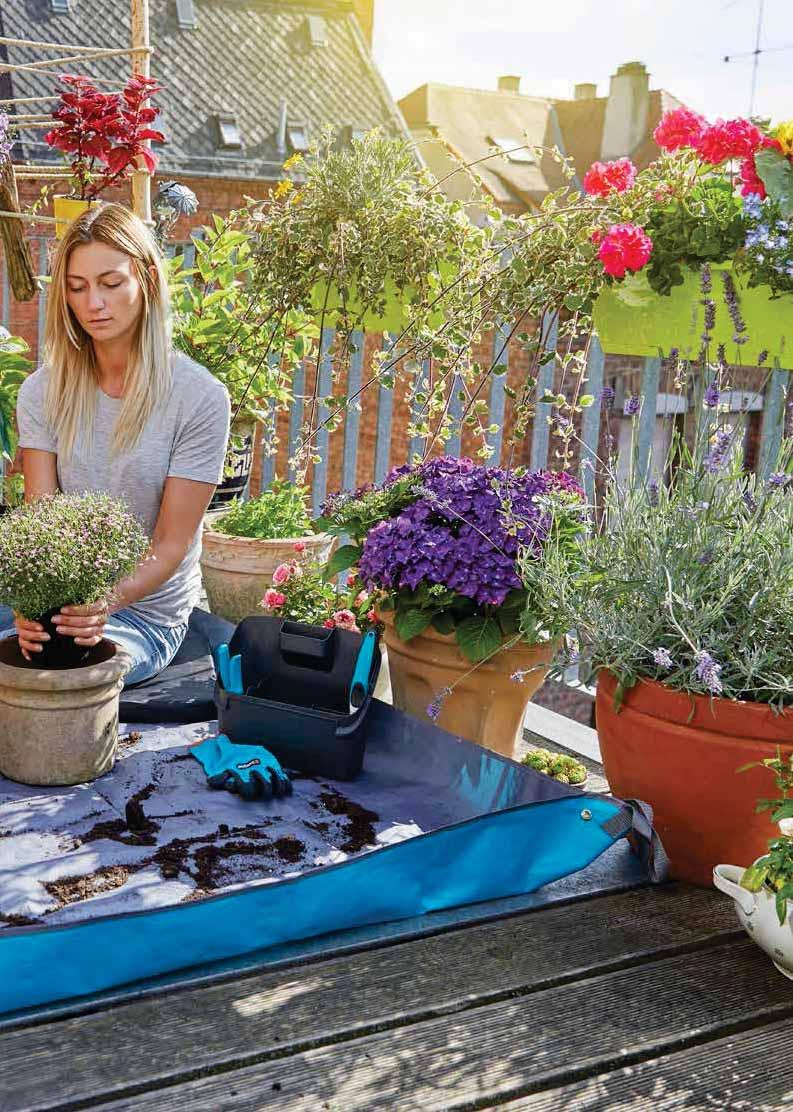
<point x="151" y="647"/>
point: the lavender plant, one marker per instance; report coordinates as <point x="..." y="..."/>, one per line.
<point x="691" y="584"/>
<point x="66" y="549"/>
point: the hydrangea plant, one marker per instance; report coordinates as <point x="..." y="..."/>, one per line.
<point x="441" y="541"/>
<point x="66" y="549"/>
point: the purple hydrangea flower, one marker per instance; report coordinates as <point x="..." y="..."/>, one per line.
<point x="464" y="529"/>
<point x="707" y="672"/>
<point x="663" y="658"/>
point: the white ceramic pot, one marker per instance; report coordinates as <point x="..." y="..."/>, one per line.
<point x="756" y="913"/>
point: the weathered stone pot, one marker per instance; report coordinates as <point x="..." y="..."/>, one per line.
<point x="486" y="706"/>
<point x="238" y="570"/>
<point x="59" y="727"/>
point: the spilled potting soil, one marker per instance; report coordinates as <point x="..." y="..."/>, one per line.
<point x="150" y="833"/>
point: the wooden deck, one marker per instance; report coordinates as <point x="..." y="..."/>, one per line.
<point x="649" y="999"/>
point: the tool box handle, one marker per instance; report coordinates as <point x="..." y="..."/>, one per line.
<point x="294" y="642"/>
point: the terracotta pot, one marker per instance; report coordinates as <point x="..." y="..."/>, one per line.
<point x="238" y="570"/>
<point x="681" y="753"/>
<point x="487" y="706"/>
<point x="59" y="727"/>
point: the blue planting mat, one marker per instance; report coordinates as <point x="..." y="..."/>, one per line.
<point x="146" y="878"/>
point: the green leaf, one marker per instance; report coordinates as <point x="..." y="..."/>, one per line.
<point x="586" y="400"/>
<point x="478" y="637"/>
<point x="342" y="559"/>
<point x="411" y="622"/>
<point x="443" y="623"/>
<point x="776" y="174"/>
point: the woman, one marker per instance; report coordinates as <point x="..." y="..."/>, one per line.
<point x="114" y="409"/>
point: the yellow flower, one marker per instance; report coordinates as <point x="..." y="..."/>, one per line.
<point x="784" y="133"/>
<point x="293" y="160"/>
<point x="284" y="186"/>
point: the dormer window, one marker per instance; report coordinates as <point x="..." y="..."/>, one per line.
<point x="60" y="7"/>
<point x="507" y="147"/>
<point x="186" y="15"/>
<point x="297" y="137"/>
<point x="316" y="31"/>
<point x="229" y="136"/>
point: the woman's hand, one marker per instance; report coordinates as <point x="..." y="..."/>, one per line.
<point x="86" y="624"/>
<point x="30" y="635"/>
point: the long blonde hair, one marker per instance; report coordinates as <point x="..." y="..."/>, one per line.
<point x="70" y="400"/>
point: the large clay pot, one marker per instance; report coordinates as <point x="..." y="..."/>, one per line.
<point x="238" y="570"/>
<point x="486" y="706"/>
<point x="681" y="754"/>
<point x="59" y="727"/>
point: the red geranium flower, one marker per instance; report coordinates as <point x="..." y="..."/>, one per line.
<point x="625" y="247"/>
<point x="603" y="178"/>
<point x="679" y="128"/>
<point x="728" y="139"/>
<point x="751" y="183"/>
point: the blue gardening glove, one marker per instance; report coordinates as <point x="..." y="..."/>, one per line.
<point x="249" y="770"/>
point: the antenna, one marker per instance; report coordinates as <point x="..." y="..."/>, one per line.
<point x="755" y="54"/>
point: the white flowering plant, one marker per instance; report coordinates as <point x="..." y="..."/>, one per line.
<point x="66" y="549"/>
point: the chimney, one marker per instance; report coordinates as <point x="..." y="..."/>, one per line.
<point x="585" y="91"/>
<point x="509" y="84"/>
<point x="627" y="106"/>
<point x="364" y="12"/>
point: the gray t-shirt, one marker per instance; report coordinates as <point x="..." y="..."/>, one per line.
<point x="186" y="438"/>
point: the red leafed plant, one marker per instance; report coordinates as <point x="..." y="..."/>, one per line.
<point x="105" y="133"/>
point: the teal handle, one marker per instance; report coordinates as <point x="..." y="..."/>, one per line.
<point x="222" y="665"/>
<point x="235" y="675"/>
<point x="359" y="688"/>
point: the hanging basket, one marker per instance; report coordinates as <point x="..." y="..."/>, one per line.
<point x="390" y="315"/>
<point x="632" y="319"/>
<point x="66" y="210"/>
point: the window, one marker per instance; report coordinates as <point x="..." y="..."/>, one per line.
<point x="523" y="155"/>
<point x="229" y="137"/>
<point x="60" y="7"/>
<point x="316" y="31"/>
<point x="185" y="15"/>
<point x="297" y="135"/>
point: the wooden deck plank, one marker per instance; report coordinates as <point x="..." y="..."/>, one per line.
<point x="752" y="1070"/>
<point x="288" y="1010"/>
<point x="488" y="1054"/>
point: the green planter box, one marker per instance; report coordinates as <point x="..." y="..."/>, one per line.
<point x="631" y="319"/>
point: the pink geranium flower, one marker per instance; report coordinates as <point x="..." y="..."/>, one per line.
<point x="625" y="247"/>
<point x="728" y="139"/>
<point x="679" y="128"/>
<point x="603" y="178"/>
<point x="282" y="574"/>
<point x="299" y="546"/>
<point x="346" y="620"/>
<point x="751" y="182"/>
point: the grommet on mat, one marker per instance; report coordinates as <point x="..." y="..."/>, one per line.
<point x="586" y="815"/>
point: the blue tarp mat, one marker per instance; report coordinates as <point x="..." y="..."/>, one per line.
<point x="433" y="823"/>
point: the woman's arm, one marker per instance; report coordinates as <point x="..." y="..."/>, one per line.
<point x="184" y="503"/>
<point x="39" y="472"/>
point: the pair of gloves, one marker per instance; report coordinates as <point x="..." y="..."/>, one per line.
<point x="250" y="771"/>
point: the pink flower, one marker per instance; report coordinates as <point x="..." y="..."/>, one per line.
<point x="346" y="619"/>
<point x="751" y="183"/>
<point x="299" y="546"/>
<point x="597" y="236"/>
<point x="625" y="247"/>
<point x="679" y="128"/>
<point x="372" y="617"/>
<point x="273" y="599"/>
<point x="282" y="574"/>
<point x="329" y="623"/>
<point x="603" y="178"/>
<point x="728" y="139"/>
<point x="361" y="598"/>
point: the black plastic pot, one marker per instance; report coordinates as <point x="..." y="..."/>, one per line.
<point x="61" y="651"/>
<point x="239" y="460"/>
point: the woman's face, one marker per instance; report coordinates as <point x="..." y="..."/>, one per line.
<point x="103" y="291"/>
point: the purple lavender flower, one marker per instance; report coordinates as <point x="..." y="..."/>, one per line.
<point x="733" y="308"/>
<point x="434" y="709"/>
<point x="705" y="278"/>
<point x="719" y="454"/>
<point x="779" y="479"/>
<point x="707" y="672"/>
<point x="707" y="556"/>
<point x="750" y="501"/>
<point x="607" y="396"/>
<point x="712" y="395"/>
<point x="663" y="658"/>
<point x="633" y="405"/>
<point x="652" y="492"/>
<point x="761" y="358"/>
<point x="517" y="677"/>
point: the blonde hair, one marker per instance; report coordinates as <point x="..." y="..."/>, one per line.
<point x="70" y="400"/>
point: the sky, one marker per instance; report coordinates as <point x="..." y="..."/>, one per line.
<point x="555" y="44"/>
